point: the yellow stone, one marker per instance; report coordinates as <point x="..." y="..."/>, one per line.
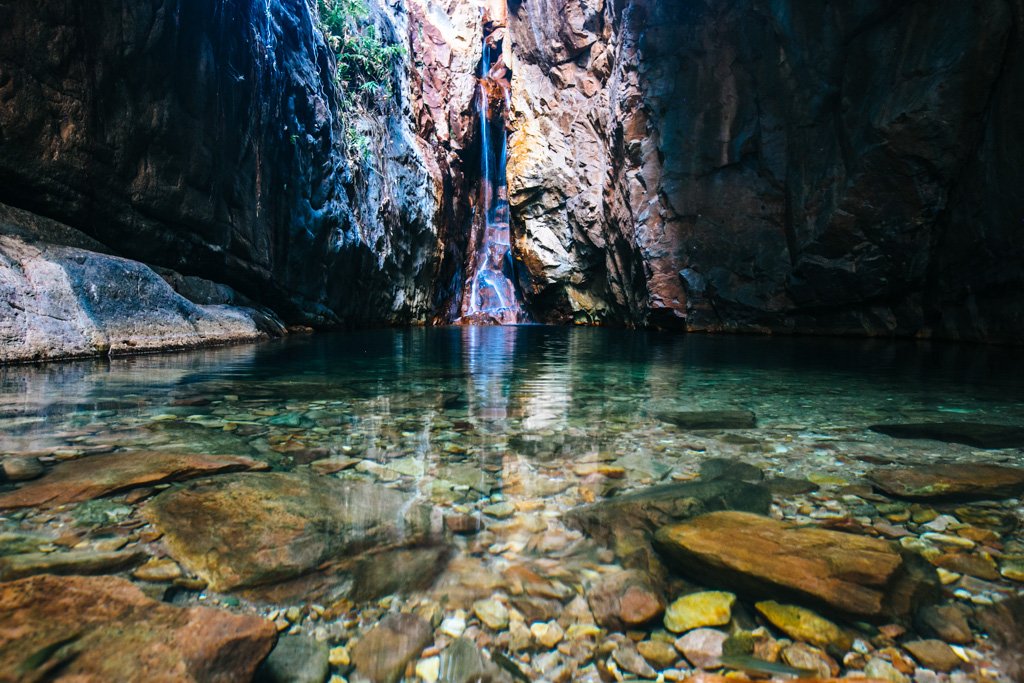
<point x="708" y="608"/>
<point x="338" y="656"/>
<point x="158" y="570"/>
<point x="803" y="624"/>
<point x="429" y="669"/>
<point x="827" y="479"/>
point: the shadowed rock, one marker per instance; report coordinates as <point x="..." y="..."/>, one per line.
<point x="73" y="562"/>
<point x="710" y="419"/>
<point x="247" y="530"/>
<point x="977" y="434"/>
<point x="953" y="481"/>
<point x="102" y="475"/>
<point x="381" y="655"/>
<point x="105" y="629"/>
<point x="759" y="556"/>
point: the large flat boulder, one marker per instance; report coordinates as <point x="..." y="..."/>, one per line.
<point x="103" y="475"/>
<point x="62" y="302"/>
<point x="764" y="558"/>
<point x="247" y="530"/>
<point x="95" y="629"/>
<point x="962" y="481"/>
<point x="977" y="434"/>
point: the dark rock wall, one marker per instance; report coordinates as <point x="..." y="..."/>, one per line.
<point x="205" y="137"/>
<point x="841" y="167"/>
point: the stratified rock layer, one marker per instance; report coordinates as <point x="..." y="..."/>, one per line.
<point x="104" y="629"/>
<point x="854" y="575"/>
<point x="246" y="530"/>
<point x="102" y="475"/>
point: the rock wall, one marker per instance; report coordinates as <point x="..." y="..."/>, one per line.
<point x="206" y="138"/>
<point x="772" y="166"/>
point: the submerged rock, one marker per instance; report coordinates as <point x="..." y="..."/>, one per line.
<point x="709" y="419"/>
<point x="977" y="434"/>
<point x="803" y="624"/>
<point x="247" y="530"/>
<point x="950" y="481"/>
<point x="382" y="654"/>
<point x="105" y="629"/>
<point x="102" y="475"/>
<point x="707" y="608"/>
<point x="625" y="522"/>
<point x="295" y="659"/>
<point x="86" y="562"/>
<point x="856" y="575"/>
<point x="727" y="468"/>
<point x="625" y="599"/>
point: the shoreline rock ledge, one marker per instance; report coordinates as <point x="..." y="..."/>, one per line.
<point x="856" y="576"/>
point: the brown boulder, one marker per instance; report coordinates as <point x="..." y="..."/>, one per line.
<point x="382" y="654"/>
<point x="102" y="475"/>
<point x="961" y="481"/>
<point x="624" y="600"/>
<point x="99" y="629"/>
<point x="246" y="530"/>
<point x="854" y="575"/>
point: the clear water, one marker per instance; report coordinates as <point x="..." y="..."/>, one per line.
<point x="469" y="416"/>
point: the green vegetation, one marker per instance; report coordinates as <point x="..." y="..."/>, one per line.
<point x="366" y="66"/>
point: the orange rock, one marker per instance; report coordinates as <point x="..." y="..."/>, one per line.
<point x="98" y="629"/>
<point x="103" y="475"/>
<point x="845" y="572"/>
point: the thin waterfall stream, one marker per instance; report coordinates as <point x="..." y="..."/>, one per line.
<point x="489" y="295"/>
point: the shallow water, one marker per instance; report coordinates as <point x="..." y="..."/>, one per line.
<point x="464" y="418"/>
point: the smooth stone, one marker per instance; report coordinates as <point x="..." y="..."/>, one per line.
<point x="102" y="475"/>
<point x="397" y="570"/>
<point x="547" y="634"/>
<point x="502" y="510"/>
<point x="786" y="487"/>
<point x="106" y="629"/>
<point x="295" y="659"/>
<point x="803" y="624"/>
<point x="882" y="670"/>
<point x="22" y="468"/>
<point x="429" y="669"/>
<point x="492" y="613"/>
<point x="946" y="622"/>
<point x="158" y="570"/>
<point x="803" y="656"/>
<point x="462" y="662"/>
<point x="383" y="653"/>
<point x="708" y="608"/>
<point x="727" y="468"/>
<point x="1004" y="625"/>
<point x="659" y="654"/>
<point x="1012" y="568"/>
<point x="247" y="530"/>
<point x="82" y="562"/>
<point x="627" y="657"/>
<point x="977" y="434"/>
<point x="702" y="647"/>
<point x="338" y="656"/>
<point x="760" y="556"/>
<point x="982" y="567"/>
<point x="625" y="599"/>
<point x="933" y="654"/>
<point x="967" y="481"/>
<point x="709" y="419"/>
<point x="332" y="465"/>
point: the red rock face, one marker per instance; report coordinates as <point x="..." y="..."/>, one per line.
<point x="104" y="629"/>
<point x="769" y="169"/>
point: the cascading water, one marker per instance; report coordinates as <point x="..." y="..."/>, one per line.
<point x="489" y="295"/>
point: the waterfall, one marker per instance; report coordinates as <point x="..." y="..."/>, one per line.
<point x="490" y="296"/>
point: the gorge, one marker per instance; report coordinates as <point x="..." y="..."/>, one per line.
<point x="512" y="340"/>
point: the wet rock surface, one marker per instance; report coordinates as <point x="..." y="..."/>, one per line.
<point x="848" y="573"/>
<point x="951" y="481"/>
<point x="78" y="628"/>
<point x="247" y="530"/>
<point x="102" y="475"/>
<point x="381" y="655"/>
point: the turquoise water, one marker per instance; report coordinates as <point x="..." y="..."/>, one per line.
<point x="512" y="426"/>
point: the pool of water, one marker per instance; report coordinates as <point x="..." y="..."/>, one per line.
<point x="534" y="420"/>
